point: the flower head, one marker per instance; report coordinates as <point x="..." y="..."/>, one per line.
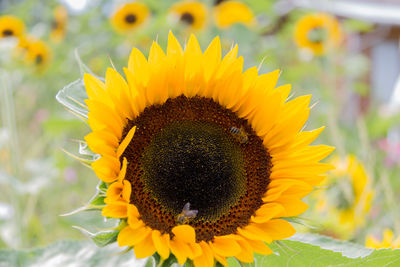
<point x="348" y="199"/>
<point x="11" y="26"/>
<point x="201" y="159"/>
<point x="130" y="16"/>
<point x="317" y="32"/>
<point x="227" y="13"/>
<point x="59" y="25"/>
<point x="37" y="53"/>
<point x="388" y="241"/>
<point x="191" y="13"/>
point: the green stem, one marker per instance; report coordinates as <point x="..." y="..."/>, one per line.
<point x="9" y="120"/>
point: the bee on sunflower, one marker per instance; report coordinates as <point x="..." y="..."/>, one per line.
<point x="318" y="33"/>
<point x="59" y="25"/>
<point x="227" y="13"/>
<point x="178" y="178"/>
<point x="388" y="241"/>
<point x="348" y="198"/>
<point x="11" y="26"/>
<point x="130" y="16"/>
<point x="191" y="13"/>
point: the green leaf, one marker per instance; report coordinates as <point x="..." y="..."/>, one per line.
<point x="292" y="252"/>
<point x="102" y="238"/>
<point x="82" y="66"/>
<point x="95" y="203"/>
<point x="73" y="97"/>
<point x="314" y="250"/>
<point x="102" y="187"/>
<point x="69" y="253"/>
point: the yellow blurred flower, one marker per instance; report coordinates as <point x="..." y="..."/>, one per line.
<point x="11" y="26"/>
<point x="130" y="16"/>
<point x="227" y="13"/>
<point x="348" y="199"/>
<point x="317" y="32"/>
<point x="59" y="25"/>
<point x="23" y="43"/>
<point x="387" y="241"/>
<point x="191" y="13"/>
<point x="38" y="53"/>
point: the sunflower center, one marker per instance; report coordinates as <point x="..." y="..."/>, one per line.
<point x="317" y="35"/>
<point x="192" y="150"/>
<point x="342" y="193"/>
<point x="187" y="18"/>
<point x="217" y="2"/>
<point x="130" y="18"/>
<point x="38" y="59"/>
<point x="7" y="32"/>
<point x="196" y="163"/>
<point x="55" y="25"/>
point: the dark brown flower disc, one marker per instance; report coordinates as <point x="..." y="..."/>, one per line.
<point x="184" y="151"/>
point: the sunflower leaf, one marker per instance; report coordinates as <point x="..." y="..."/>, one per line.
<point x="69" y="253"/>
<point x="72" y="97"/>
<point x="102" y="238"/>
<point x="316" y="250"/>
<point x="95" y="203"/>
<point x="102" y="187"/>
<point x="313" y="250"/>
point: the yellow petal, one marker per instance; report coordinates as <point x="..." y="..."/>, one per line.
<point x="115" y="210"/>
<point x="180" y="250"/>
<point x="102" y="142"/>
<point x="133" y="217"/>
<point x="259" y="247"/>
<point x="206" y="259"/>
<point x="174" y="48"/>
<point x="124" y="144"/>
<point x="161" y="243"/>
<point x="278" y="229"/>
<point x="145" y="248"/>
<point x="184" y="233"/>
<point x="124" y="237"/>
<point x="93" y="86"/>
<point x="254" y="231"/>
<point x="114" y="192"/>
<point x="221" y="259"/>
<point x="226" y="247"/>
<point x="122" y="172"/>
<point x="126" y="193"/>
<point x="213" y="57"/>
<point x="156" y="54"/>
<point x="246" y="255"/>
<point x="267" y="212"/>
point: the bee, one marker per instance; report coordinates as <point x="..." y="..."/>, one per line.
<point x="186" y="214"/>
<point x="240" y="134"/>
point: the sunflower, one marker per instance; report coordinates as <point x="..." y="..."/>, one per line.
<point x="317" y="32"/>
<point x="130" y="16"/>
<point x="37" y="53"/>
<point x="59" y="24"/>
<point x="11" y="26"/>
<point x="201" y="159"/>
<point x="191" y="13"/>
<point x="22" y="46"/>
<point x="227" y="13"/>
<point x="348" y="198"/>
<point x="387" y="242"/>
